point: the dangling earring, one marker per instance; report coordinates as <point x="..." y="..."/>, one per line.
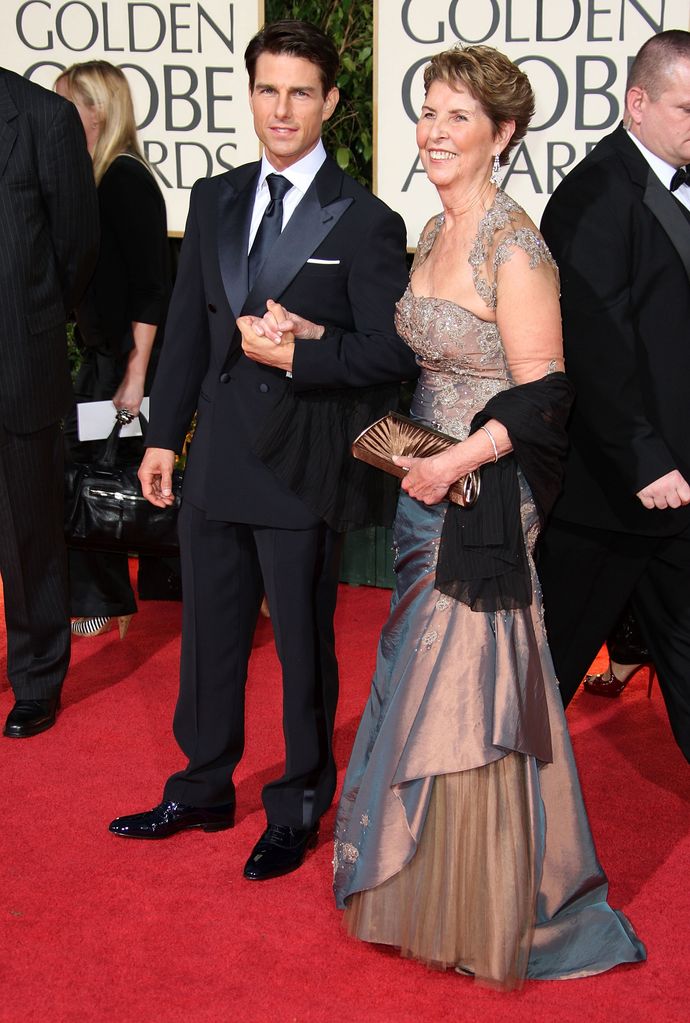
<point x="496" y="170"/>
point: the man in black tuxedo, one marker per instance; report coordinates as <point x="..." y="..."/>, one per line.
<point x="619" y="228"/>
<point x="48" y="246"/>
<point x="269" y="467"/>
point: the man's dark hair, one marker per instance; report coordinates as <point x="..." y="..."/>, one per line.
<point x="298" y="39"/>
<point x="656" y="60"/>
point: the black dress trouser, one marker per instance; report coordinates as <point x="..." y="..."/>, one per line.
<point x="33" y="561"/>
<point x="225" y="568"/>
<point x="588" y="575"/>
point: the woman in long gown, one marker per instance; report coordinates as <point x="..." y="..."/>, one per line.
<point x="461" y="835"/>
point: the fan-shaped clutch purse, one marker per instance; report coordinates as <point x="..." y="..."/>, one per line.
<point x="398" y="435"/>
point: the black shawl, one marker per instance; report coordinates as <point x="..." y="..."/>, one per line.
<point x="482" y="559"/>
<point x="307" y="444"/>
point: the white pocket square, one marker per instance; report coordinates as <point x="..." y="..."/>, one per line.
<point x="325" y="262"/>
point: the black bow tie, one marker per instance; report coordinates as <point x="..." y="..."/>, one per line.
<point x="681" y="177"/>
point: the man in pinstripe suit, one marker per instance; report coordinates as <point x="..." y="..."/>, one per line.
<point x="48" y="246"/>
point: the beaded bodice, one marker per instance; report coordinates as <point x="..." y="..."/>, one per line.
<point x="462" y="358"/>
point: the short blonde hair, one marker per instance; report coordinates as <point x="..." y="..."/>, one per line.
<point x="98" y="85"/>
<point x="499" y="86"/>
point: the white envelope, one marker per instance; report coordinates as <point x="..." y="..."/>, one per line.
<point x="95" y="420"/>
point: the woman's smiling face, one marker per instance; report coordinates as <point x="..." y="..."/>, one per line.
<point x="456" y="139"/>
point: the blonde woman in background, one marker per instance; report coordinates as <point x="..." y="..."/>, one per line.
<point x="120" y="318"/>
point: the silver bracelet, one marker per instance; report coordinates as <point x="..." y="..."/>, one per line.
<point x="493" y="442"/>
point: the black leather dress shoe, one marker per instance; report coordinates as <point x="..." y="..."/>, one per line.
<point x="168" y="818"/>
<point x="29" y="717"/>
<point x="280" y="850"/>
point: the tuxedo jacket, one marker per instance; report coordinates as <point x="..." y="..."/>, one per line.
<point x="340" y="262"/>
<point x="622" y="243"/>
<point x="48" y="246"/>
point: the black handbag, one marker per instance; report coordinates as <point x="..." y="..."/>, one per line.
<point x="105" y="509"/>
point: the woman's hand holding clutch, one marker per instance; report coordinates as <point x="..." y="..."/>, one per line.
<point x="428" y="480"/>
<point x="439" y="465"/>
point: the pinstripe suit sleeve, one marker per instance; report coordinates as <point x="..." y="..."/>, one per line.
<point x="67" y="184"/>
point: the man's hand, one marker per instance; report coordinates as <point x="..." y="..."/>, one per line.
<point x="277" y="322"/>
<point x="155" y="476"/>
<point x="256" y="344"/>
<point x="669" y="491"/>
<point x="271" y="339"/>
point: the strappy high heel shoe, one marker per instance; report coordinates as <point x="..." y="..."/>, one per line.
<point x="96" y="625"/>
<point x="613" y="681"/>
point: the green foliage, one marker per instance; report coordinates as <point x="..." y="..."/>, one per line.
<point x="348" y="134"/>
<point x="73" y="352"/>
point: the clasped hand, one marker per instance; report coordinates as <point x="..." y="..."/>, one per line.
<point x="669" y="491"/>
<point x="270" y="339"/>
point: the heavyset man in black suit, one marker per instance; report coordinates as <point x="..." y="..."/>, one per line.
<point x="619" y="228"/>
<point x="338" y="267"/>
<point x="48" y="246"/>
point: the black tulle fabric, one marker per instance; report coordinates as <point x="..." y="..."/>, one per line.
<point x="307" y="445"/>
<point x="482" y="560"/>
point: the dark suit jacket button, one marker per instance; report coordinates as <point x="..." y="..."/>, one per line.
<point x="211" y="308"/>
<point x="224" y="377"/>
<point x="264" y="388"/>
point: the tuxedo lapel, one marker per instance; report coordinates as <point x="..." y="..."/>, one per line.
<point x="658" y="200"/>
<point x="665" y="208"/>
<point x="235" y="205"/>
<point x="313" y="220"/>
<point x="8" y="135"/>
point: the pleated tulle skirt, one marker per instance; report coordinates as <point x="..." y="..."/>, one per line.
<point x="461" y="836"/>
<point x="472" y="875"/>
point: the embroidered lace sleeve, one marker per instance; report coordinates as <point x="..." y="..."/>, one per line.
<point x="504" y="227"/>
<point x="530" y="242"/>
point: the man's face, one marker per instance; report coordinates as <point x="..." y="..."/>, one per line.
<point x="289" y="107"/>
<point x="663" y="124"/>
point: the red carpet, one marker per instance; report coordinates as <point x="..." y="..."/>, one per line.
<point x="100" y="929"/>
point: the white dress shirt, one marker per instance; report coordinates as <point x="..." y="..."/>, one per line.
<point x="664" y="171"/>
<point x="300" y="175"/>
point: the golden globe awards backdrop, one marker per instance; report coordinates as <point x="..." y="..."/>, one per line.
<point x="184" y="63"/>
<point x="575" y="52"/>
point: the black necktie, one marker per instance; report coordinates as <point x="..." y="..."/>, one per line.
<point x="270" y="226"/>
<point x="681" y="177"/>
